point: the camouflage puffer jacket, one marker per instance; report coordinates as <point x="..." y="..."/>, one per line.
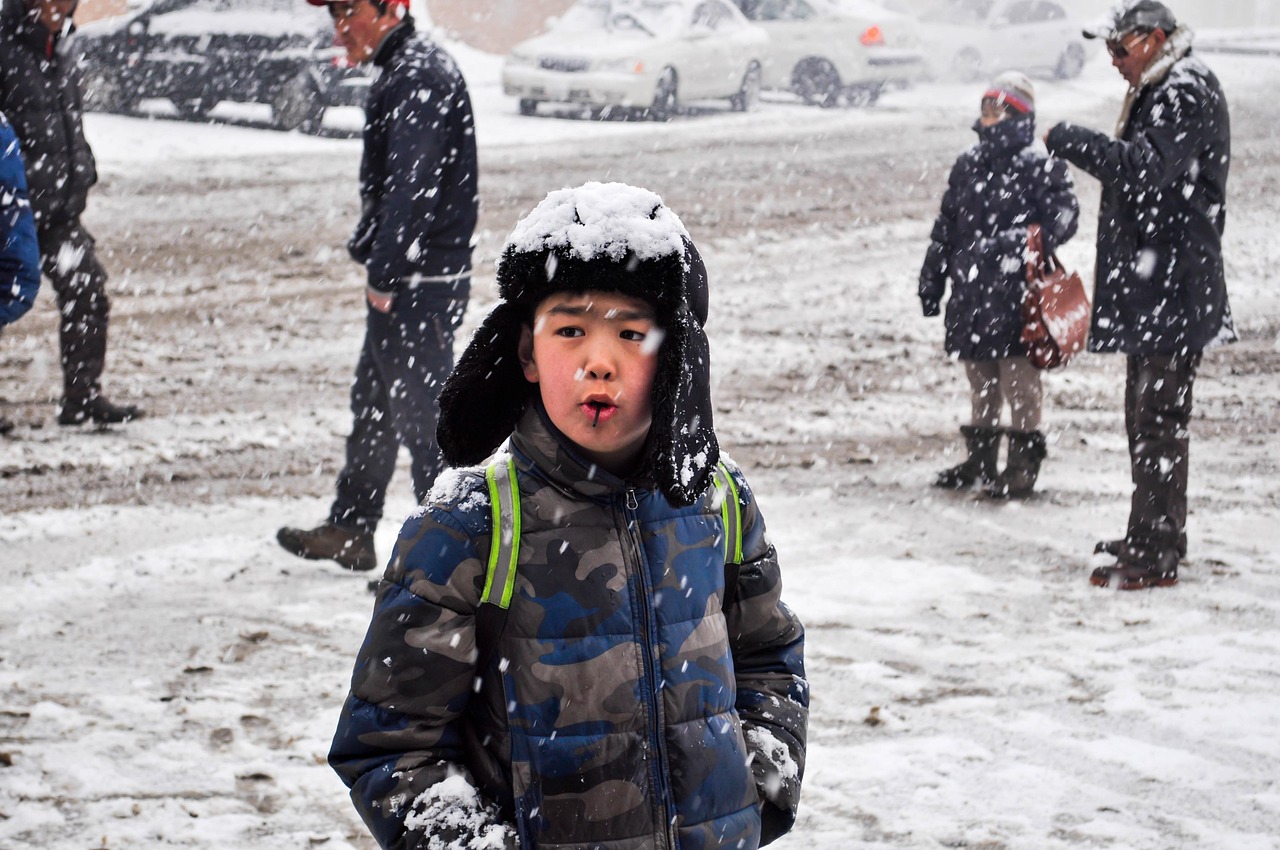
<point x="625" y="707"/>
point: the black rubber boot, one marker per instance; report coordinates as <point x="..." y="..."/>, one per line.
<point x="983" y="444"/>
<point x="350" y="547"/>
<point x="97" y="410"/>
<point x="1026" y="450"/>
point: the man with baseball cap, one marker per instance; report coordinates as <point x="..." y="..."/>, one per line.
<point x="418" y="188"/>
<point x="1160" y="294"/>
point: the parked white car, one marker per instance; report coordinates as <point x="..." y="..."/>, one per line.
<point x="649" y="56"/>
<point x="833" y="51"/>
<point x="969" y="40"/>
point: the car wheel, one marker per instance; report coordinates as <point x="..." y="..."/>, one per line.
<point x="195" y="108"/>
<point x="817" y="81"/>
<point x="966" y="66"/>
<point x="105" y="91"/>
<point x="864" y="95"/>
<point x="748" y="96"/>
<point x="665" y="97"/>
<point x="298" y="105"/>
<point x="1070" y="63"/>
<point x="528" y="106"/>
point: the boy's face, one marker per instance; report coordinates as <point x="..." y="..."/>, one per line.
<point x="593" y="357"/>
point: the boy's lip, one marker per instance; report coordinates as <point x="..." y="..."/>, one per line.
<point x="598" y="408"/>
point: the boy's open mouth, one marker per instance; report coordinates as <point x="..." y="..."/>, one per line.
<point x="598" y="409"/>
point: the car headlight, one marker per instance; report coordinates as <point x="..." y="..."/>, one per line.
<point x="517" y="58"/>
<point x="629" y="65"/>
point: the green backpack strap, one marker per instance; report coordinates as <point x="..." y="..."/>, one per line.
<point x="731" y="517"/>
<point x="504" y="555"/>
<point x="730" y="514"/>
<point x="504" y="544"/>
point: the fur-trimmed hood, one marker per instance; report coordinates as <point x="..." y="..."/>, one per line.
<point x="605" y="237"/>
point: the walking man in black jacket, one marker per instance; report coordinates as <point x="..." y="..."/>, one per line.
<point x="1160" y="294"/>
<point x="419" y="192"/>
<point x="40" y="94"/>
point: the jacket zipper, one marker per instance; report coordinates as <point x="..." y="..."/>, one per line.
<point x="653" y="662"/>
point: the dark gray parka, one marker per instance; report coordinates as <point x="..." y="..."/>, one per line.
<point x="996" y="190"/>
<point x="1159" y="286"/>
<point x="40" y="95"/>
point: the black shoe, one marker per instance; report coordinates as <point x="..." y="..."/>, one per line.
<point x="98" y="410"/>
<point x="350" y="547"/>
<point x="1026" y="451"/>
<point x="5" y="425"/>
<point x="1138" y="569"/>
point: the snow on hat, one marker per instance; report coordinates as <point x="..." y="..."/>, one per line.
<point x="1132" y="16"/>
<point x="1014" y="90"/>
<point x="606" y="237"/>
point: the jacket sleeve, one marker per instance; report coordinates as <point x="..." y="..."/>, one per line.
<point x="19" y="248"/>
<point x="767" y="641"/>
<point x="412" y="189"/>
<point x="1156" y="156"/>
<point x="398" y="745"/>
<point x="937" y="259"/>
<point x="1060" y="212"/>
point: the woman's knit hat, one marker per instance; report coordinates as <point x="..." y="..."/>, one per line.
<point x="1014" y="90"/>
<point x="607" y="237"/>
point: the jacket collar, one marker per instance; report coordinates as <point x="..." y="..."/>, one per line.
<point x="557" y="459"/>
<point x="1006" y="137"/>
<point x="1175" y="48"/>
<point x="391" y="42"/>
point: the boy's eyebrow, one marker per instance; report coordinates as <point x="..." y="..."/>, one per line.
<point x="623" y="315"/>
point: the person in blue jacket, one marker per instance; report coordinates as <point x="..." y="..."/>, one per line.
<point x="19" y="249"/>
<point x="997" y="189"/>
<point x="418" y="187"/>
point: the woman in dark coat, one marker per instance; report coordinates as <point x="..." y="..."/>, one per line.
<point x="997" y="189"/>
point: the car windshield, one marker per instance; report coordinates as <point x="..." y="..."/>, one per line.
<point x="657" y="18"/>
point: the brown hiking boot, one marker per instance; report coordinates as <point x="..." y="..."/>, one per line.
<point x="350" y="547"/>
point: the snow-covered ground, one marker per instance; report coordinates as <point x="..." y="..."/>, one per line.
<point x="170" y="678"/>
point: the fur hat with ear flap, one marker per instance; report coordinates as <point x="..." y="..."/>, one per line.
<point x="607" y="237"/>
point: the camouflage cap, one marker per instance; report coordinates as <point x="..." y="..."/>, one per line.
<point x="1132" y="16"/>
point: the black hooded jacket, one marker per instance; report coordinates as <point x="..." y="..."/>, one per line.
<point x="1160" y="287"/>
<point x="40" y="95"/>
<point x="418" y="178"/>
<point x="996" y="190"/>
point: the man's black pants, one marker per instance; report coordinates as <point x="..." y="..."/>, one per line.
<point x="68" y="258"/>
<point x="407" y="355"/>
<point x="1157" y="415"/>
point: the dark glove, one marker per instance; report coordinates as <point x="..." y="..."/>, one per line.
<point x="930" y="307"/>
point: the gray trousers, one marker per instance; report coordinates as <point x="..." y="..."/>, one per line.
<point x="992" y="383"/>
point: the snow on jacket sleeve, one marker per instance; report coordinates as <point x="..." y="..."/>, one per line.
<point x="933" y="275"/>
<point x="19" y="249"/>
<point x="398" y="745"/>
<point x="767" y="641"/>
<point x="1157" y="155"/>
<point x="1060" y="211"/>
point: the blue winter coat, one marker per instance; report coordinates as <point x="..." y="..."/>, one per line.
<point x="996" y="189"/>
<point x="628" y="705"/>
<point x="418" y="178"/>
<point x="1160" y="286"/>
<point x="19" y="250"/>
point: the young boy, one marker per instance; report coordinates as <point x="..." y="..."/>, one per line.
<point x="614" y="668"/>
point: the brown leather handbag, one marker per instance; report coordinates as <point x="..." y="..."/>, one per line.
<point x="1055" y="308"/>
